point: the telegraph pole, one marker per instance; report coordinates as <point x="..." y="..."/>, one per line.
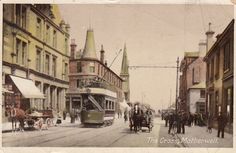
<point x="177" y="77"/>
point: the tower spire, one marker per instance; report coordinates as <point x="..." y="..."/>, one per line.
<point x="125" y="64"/>
<point x="124" y="74"/>
<point x="89" y="48"/>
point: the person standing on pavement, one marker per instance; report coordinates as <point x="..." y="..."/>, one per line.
<point x="222" y="121"/>
<point x="13" y="117"/>
<point x="166" y="117"/>
<point x="171" y="121"/>
<point x="182" y="123"/>
<point x="178" y="118"/>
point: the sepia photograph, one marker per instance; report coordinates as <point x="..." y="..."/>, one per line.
<point x="118" y="75"/>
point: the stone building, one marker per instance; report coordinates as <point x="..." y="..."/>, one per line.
<point x="189" y="57"/>
<point x="35" y="56"/>
<point x="124" y="74"/>
<point x="219" y="74"/>
<point x="89" y="74"/>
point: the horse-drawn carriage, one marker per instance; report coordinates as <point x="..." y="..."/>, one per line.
<point x="32" y="119"/>
<point x="39" y="117"/>
<point x="139" y="118"/>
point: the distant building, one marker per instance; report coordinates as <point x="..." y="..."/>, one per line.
<point x="192" y="81"/>
<point x="88" y="74"/>
<point x="189" y="57"/>
<point x="124" y="74"/>
<point x="35" y="57"/>
<point x="219" y="74"/>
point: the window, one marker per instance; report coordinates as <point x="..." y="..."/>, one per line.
<point x="21" y="49"/>
<point x="38" y="59"/>
<point x="217" y="65"/>
<point x="54" y="39"/>
<point x="47" y="33"/>
<point x="54" y="66"/>
<point x="66" y="46"/>
<point x="193" y="76"/>
<point x="66" y="70"/>
<point x="47" y="63"/>
<point x="79" y="67"/>
<point x="226" y="56"/>
<point x="38" y="28"/>
<point x="18" y="48"/>
<point x="79" y="83"/>
<point x="23" y="18"/>
<point x="202" y="94"/>
<point x="212" y="69"/>
<point x="24" y="49"/>
<point x="18" y="12"/>
<point x="208" y="72"/>
<point x="92" y="67"/>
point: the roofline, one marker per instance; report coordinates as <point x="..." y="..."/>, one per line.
<point x="93" y="59"/>
<point x="219" y="39"/>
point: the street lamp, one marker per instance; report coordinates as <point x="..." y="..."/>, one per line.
<point x="177" y="77"/>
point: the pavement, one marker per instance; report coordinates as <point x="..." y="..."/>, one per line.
<point x="195" y="136"/>
<point x="7" y="126"/>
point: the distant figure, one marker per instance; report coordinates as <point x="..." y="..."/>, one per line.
<point x="222" y="121"/>
<point x="209" y="123"/>
<point x="13" y="118"/>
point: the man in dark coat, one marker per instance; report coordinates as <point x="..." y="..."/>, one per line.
<point x="222" y="121"/>
<point x="166" y="119"/>
<point x="182" y="123"/>
<point x="178" y="118"/>
<point x="171" y="121"/>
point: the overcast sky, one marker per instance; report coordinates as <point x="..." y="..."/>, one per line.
<point x="154" y="35"/>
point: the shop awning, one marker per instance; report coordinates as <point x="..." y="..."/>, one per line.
<point x="27" y="87"/>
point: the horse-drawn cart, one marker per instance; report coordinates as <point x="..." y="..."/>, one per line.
<point x="39" y="117"/>
<point x="142" y="118"/>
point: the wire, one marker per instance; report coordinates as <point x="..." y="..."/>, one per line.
<point x="153" y="66"/>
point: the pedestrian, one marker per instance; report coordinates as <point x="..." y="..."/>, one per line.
<point x="209" y="123"/>
<point x="178" y="118"/>
<point x="222" y="121"/>
<point x="166" y="117"/>
<point x="125" y="116"/>
<point x="171" y="121"/>
<point x="13" y="118"/>
<point x="182" y="123"/>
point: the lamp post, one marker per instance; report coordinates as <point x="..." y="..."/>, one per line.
<point x="177" y="77"/>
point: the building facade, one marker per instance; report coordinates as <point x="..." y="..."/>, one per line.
<point x="219" y="75"/>
<point x="192" y="80"/>
<point x="35" y="50"/>
<point x="87" y="72"/>
<point x="189" y="57"/>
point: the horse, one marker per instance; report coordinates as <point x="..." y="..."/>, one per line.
<point x="17" y="114"/>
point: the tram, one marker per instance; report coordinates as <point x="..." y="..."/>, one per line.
<point x="98" y="106"/>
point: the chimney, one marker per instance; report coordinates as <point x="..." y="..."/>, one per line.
<point x="209" y="39"/>
<point x="102" y="55"/>
<point x="72" y="49"/>
<point x="202" y="48"/>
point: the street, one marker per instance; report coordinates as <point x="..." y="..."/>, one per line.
<point x="75" y="135"/>
<point x="117" y="135"/>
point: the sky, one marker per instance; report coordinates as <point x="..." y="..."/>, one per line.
<point x="155" y="34"/>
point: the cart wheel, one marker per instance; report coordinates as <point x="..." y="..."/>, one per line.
<point x="49" y="122"/>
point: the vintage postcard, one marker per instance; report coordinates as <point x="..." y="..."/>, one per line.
<point x="118" y="75"/>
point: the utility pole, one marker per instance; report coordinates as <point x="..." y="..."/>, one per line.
<point x="177" y="77"/>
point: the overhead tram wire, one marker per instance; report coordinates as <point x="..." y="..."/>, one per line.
<point x="152" y="66"/>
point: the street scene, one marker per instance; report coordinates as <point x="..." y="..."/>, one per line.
<point x="111" y="75"/>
